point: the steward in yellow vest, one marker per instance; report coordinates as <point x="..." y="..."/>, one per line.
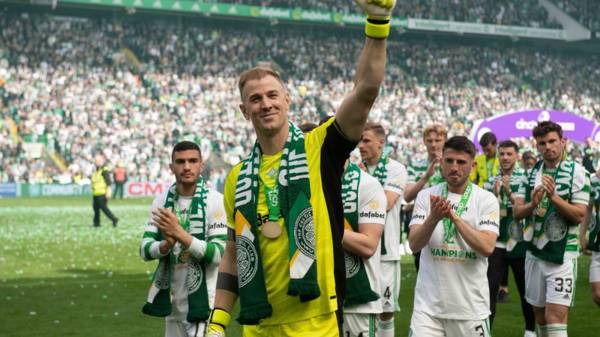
<point x="101" y="191"/>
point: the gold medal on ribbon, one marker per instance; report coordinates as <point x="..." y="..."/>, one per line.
<point x="503" y="212"/>
<point x="271" y="229"/>
<point x="183" y="257"/>
<point x="540" y="211"/>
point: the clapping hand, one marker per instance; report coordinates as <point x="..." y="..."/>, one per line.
<point x="440" y="207"/>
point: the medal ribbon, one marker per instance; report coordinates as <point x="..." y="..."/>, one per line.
<point x="183" y="221"/>
<point x="449" y="228"/>
<point x="272" y="197"/>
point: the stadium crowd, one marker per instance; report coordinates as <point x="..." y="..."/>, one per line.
<point x="586" y="12"/>
<point x="506" y="12"/>
<point x="71" y="84"/>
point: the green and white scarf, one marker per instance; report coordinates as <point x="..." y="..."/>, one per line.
<point x="358" y="287"/>
<point x="380" y="173"/>
<point x="294" y="199"/>
<point x="159" y="296"/>
<point x="551" y="235"/>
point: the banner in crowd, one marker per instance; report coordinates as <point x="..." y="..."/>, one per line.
<point x="132" y="189"/>
<point x="192" y="6"/>
<point x="486" y="29"/>
<point x="135" y="189"/>
<point x="8" y="190"/>
<point x="50" y="190"/>
<point x="521" y="123"/>
<point x="316" y="16"/>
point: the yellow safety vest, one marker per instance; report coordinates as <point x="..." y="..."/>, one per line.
<point x="479" y="174"/>
<point x="99" y="186"/>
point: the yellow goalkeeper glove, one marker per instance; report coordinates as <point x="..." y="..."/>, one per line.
<point x="379" y="13"/>
<point x="217" y="323"/>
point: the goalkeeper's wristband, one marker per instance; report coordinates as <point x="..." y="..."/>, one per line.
<point x="377" y="28"/>
<point x="219" y="317"/>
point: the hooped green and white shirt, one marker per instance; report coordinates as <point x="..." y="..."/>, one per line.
<point x="451" y="277"/>
<point x="418" y="169"/>
<point x="216" y="234"/>
<point x="511" y="232"/>
<point x="575" y="188"/>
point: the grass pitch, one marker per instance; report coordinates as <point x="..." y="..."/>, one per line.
<point x="61" y="277"/>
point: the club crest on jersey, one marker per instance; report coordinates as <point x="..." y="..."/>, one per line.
<point x="352" y="264"/>
<point x="247" y="260"/>
<point x="194" y="277"/>
<point x="515" y="231"/>
<point x="304" y="233"/>
<point x="555" y="227"/>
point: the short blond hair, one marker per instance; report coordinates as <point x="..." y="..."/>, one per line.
<point x="437" y="128"/>
<point x="376" y="128"/>
<point x="257" y="73"/>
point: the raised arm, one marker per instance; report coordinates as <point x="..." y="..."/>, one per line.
<point x="354" y="110"/>
<point x="412" y="189"/>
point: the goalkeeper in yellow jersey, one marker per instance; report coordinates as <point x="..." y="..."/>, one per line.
<point x="284" y="259"/>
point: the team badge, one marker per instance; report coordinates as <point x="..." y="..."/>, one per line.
<point x="555" y="227"/>
<point x="515" y="231"/>
<point x="194" y="277"/>
<point x="352" y="264"/>
<point x="247" y="259"/>
<point x="304" y="233"/>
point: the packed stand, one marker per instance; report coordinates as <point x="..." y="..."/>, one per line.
<point x="586" y="12"/>
<point x="505" y="12"/>
<point x="68" y="85"/>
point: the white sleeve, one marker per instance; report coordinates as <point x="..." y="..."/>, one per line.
<point x="421" y="209"/>
<point x="396" y="178"/>
<point x="217" y="219"/>
<point x="489" y="213"/>
<point x="212" y="248"/>
<point x="581" y="186"/>
<point x="371" y="201"/>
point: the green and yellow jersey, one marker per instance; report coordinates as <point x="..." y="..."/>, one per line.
<point x="326" y="150"/>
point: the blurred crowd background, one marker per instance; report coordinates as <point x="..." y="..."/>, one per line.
<point x="74" y="87"/>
